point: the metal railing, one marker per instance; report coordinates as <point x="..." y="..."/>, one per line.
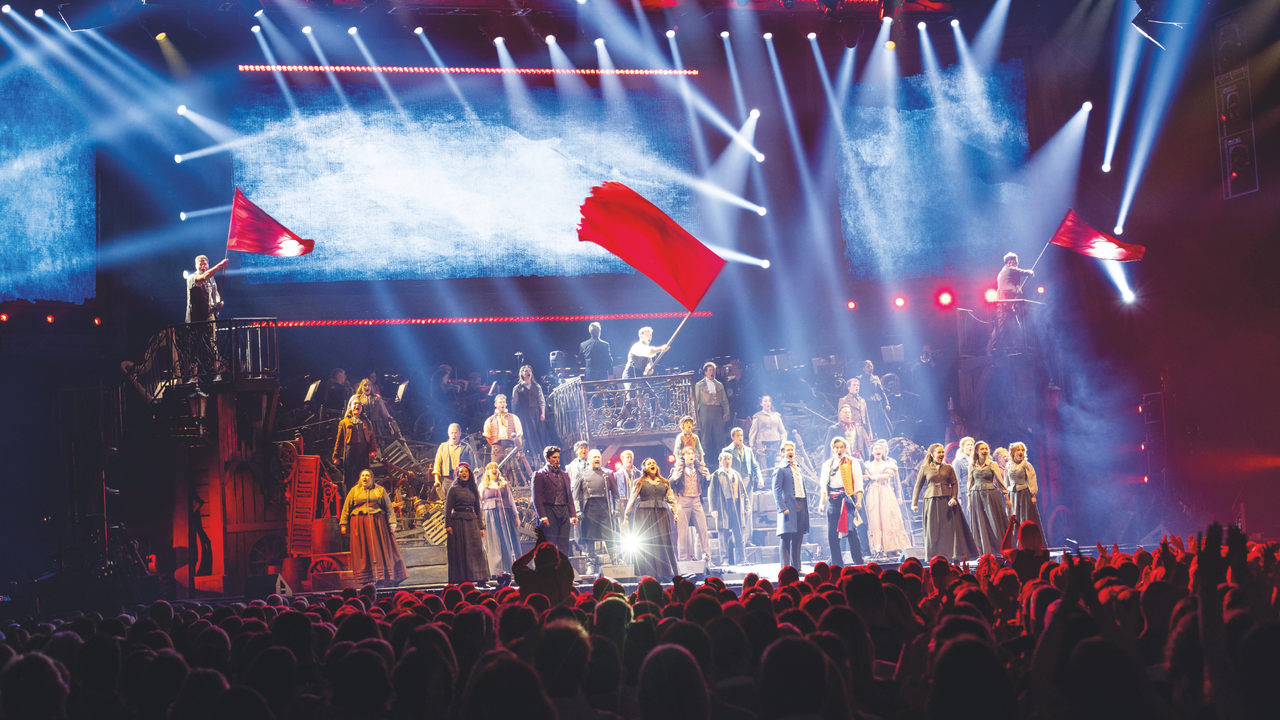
<point x="618" y="408"/>
<point x="228" y="350"/>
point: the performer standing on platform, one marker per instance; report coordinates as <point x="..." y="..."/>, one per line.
<point x="690" y="481"/>
<point x="579" y="464"/>
<point x="945" y="531"/>
<point x="355" y="445"/>
<point x="793" y="507"/>
<point x="711" y="405"/>
<point x="596" y="355"/>
<point x="651" y="516"/>
<point x="336" y="391"/>
<point x="686" y="439"/>
<point x="886" y="532"/>
<point x="203" y="304"/>
<point x="840" y="495"/>
<point x="596" y="496"/>
<point x="530" y="407"/>
<point x="852" y="432"/>
<point x="988" y="500"/>
<point x="625" y="477"/>
<point x="1009" y="331"/>
<point x="964" y="459"/>
<point x="641" y="353"/>
<point x="502" y="430"/>
<point x="451" y="454"/>
<point x="553" y="500"/>
<point x="502" y="528"/>
<point x="730" y="505"/>
<point x="744" y="462"/>
<point x="767" y="433"/>
<point x="367" y="518"/>
<point x="859" y="406"/>
<point x="464" y="522"/>
<point x="872" y="390"/>
<point x="1023" y="487"/>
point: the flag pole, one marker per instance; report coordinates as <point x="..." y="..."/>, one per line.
<point x="658" y="357"/>
<point x="1046" y="247"/>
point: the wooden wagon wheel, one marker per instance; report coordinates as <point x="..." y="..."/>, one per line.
<point x="286" y="460"/>
<point x="268" y="551"/>
<point x="323" y="564"/>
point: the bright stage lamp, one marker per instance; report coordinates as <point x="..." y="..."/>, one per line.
<point x="162" y="36"/>
<point x="900" y="302"/>
<point x="306" y="30"/>
<point x="955" y="23"/>
<point x="813" y="36"/>
<point x="852" y="305"/>
<point x="920" y="25"/>
<point x="551" y="39"/>
<point x="723" y="33"/>
<point x="1087" y="106"/>
<point x="182" y="109"/>
<point x="887" y="20"/>
<point x="599" y="42"/>
<point x="761" y="212"/>
<point x="182" y="216"/>
<point x="40" y="13"/>
<point x="945" y="298"/>
<point x="1119" y="230"/>
<point x="990" y="295"/>
<point x="1106" y="168"/>
<point x="890" y="45"/>
<point x="759" y="157"/>
<point x="255" y="28"/>
<point x="259" y="13"/>
<point x="768" y="36"/>
<point x="755" y="113"/>
<point x="5" y="9"/>
<point x="671" y="33"/>
<point x="352" y="30"/>
<point x="417" y="31"/>
<point x="630" y="543"/>
<point x="582" y="2"/>
<point x="765" y="264"/>
<point x="177" y="158"/>
<point x="498" y="40"/>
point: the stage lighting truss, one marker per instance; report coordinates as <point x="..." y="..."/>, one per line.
<point x="1153" y="22"/>
<point x="434" y="70"/>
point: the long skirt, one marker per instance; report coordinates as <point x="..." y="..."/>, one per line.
<point x="945" y="531"/>
<point x="375" y="558"/>
<point x="535" y="436"/>
<point x="989" y="518"/>
<point x="886" y="532"/>
<point x="501" y="539"/>
<point x="655" y="553"/>
<point x="467" y="562"/>
<point x="1027" y="511"/>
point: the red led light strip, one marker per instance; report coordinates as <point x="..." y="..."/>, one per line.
<point x="429" y="70"/>
<point x="479" y="320"/>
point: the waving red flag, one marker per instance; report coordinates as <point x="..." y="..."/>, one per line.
<point x="618" y="219"/>
<point x="1076" y="234"/>
<point x="254" y="231"/>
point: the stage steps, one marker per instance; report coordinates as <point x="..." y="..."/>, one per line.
<point x="427" y="564"/>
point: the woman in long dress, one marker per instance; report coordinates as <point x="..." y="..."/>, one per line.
<point x="767" y="434"/>
<point x="464" y="523"/>
<point x="988" y="500"/>
<point x="650" y="518"/>
<point x="1023" y="486"/>
<point x="945" y="531"/>
<point x="367" y="518"/>
<point x="886" y="532"/>
<point x="530" y="405"/>
<point x="355" y="445"/>
<point x="502" y="536"/>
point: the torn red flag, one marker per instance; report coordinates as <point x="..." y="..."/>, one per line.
<point x="1076" y="234"/>
<point x="254" y="231"/>
<point x="621" y="221"/>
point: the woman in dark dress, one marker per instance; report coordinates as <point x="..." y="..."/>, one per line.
<point x="501" y="536"/>
<point x="530" y="405"/>
<point x="368" y="519"/>
<point x="945" y="531"/>
<point x="649" y="523"/>
<point x="355" y="445"/>
<point x="464" y="523"/>
<point x="988" y="500"/>
<point x="1022" y="486"/>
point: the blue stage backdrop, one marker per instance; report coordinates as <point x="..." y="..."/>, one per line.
<point x="433" y="194"/>
<point x="48" y="194"/>
<point x="930" y="186"/>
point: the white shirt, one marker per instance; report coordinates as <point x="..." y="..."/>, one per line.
<point x="835" y="481"/>
<point x="799" y="481"/>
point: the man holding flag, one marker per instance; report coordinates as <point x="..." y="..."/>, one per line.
<point x="1008" y="332"/>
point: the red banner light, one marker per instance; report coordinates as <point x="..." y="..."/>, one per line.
<point x="484" y="320"/>
<point x="435" y="70"/>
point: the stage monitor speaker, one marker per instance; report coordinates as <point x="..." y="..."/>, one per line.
<point x="1153" y="538"/>
<point x="625" y="571"/>
<point x="692" y="567"/>
<point x="258" y="587"/>
<point x="914" y="552"/>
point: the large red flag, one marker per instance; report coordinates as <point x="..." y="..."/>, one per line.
<point x="254" y="231"/>
<point x="1076" y="234"/>
<point x="621" y="221"/>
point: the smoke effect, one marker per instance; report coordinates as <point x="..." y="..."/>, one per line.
<point x="48" y="195"/>
<point x="441" y="195"/>
<point x="928" y="187"/>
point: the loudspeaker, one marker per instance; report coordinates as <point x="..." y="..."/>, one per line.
<point x="692" y="567"/>
<point x="258" y="587"/>
<point x="1154" y="537"/>
<point x="915" y="552"/>
<point x="619" y="572"/>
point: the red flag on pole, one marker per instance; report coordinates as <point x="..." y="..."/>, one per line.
<point x="1076" y="234"/>
<point x="254" y="231"/>
<point x="618" y="219"/>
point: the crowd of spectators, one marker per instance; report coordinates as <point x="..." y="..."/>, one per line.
<point x="1189" y="631"/>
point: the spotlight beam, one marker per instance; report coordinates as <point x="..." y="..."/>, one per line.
<point x="328" y="70"/>
<point x="381" y="78"/>
<point x="279" y="76"/>
<point x="986" y="46"/>
<point x="695" y="128"/>
<point x="193" y="214"/>
<point x="817" y="223"/>
<point x="739" y="99"/>
<point x="448" y="78"/>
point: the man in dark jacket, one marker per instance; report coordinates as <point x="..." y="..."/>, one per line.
<point x="553" y="501"/>
<point x="596" y="354"/>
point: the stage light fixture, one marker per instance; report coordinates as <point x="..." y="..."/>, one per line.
<point x="852" y="305"/>
<point x="1128" y="296"/>
<point x="306" y="30"/>
<point x="177" y="158"/>
<point x="889" y="45"/>
<point x="765" y="264"/>
<point x="255" y="28"/>
<point x="97" y="321"/>
<point x="761" y="212"/>
<point x="887" y="20"/>
<point x="417" y="31"/>
<point x="1119" y="229"/>
<point x="582" y="2"/>
<point x="955" y="23"/>
<point x="599" y="42"/>
<point x="47" y="318"/>
<point x="788" y="4"/>
<point x="352" y="30"/>
<point x="759" y="157"/>
<point x="812" y="36"/>
<point x="723" y="33"/>
<point x="671" y="33"/>
<point x="1040" y="290"/>
<point x="1106" y="168"/>
<point x="551" y="39"/>
<point x="5" y="10"/>
<point x="768" y="36"/>
<point x="671" y="458"/>
<point x="920" y="25"/>
<point x="499" y="40"/>
<point x="755" y="113"/>
<point x="164" y="36"/>
<point x="1087" y="106"/>
<point x="40" y="13"/>
<point x="945" y="298"/>
<point x="990" y="295"/>
<point x="900" y="302"/>
<point x="259" y="13"/>
<point x="1145" y="478"/>
<point x="182" y="109"/>
<point x="4" y="317"/>
<point x="182" y="216"/>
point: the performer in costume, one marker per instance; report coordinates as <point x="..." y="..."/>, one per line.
<point x="1009" y="331"/>
<point x="641" y="353"/>
<point x="852" y="432"/>
<point x="596" y="355"/>
<point x="451" y="454"/>
<point x="872" y="390"/>
<point x="367" y="518"/>
<point x="375" y="408"/>
<point x="553" y="500"/>
<point x="651" y="516"/>
<point x="839" y="495"/>
<point x="625" y="477"/>
<point x="203" y="304"/>
<point x="711" y="405"/>
<point x="502" y="528"/>
<point x="464" y="523"/>
<point x="730" y="504"/>
<point x="530" y="407"/>
<point x="579" y="462"/>
<point x="886" y="531"/>
<point x="988" y="500"/>
<point x="596" y="496"/>
<point x="686" y="439"/>
<point x="945" y="531"/>
<point x="1023" y="487"/>
<point x="354" y="446"/>
<point x="859" y="406"/>
<point x="767" y="433"/>
<point x="793" y="506"/>
<point x="503" y="431"/>
<point x="964" y="459"/>
<point x="745" y="464"/>
<point x="690" y="481"/>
